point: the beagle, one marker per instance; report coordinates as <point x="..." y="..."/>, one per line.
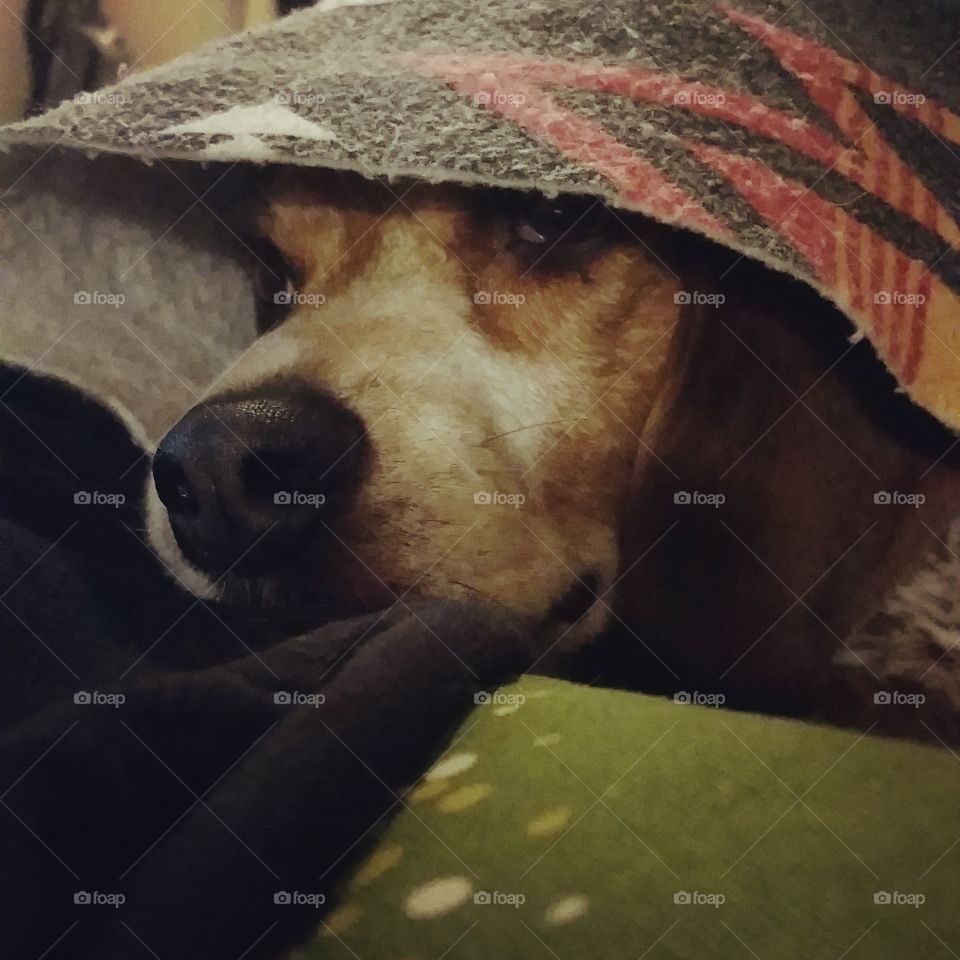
<point x="605" y="425"/>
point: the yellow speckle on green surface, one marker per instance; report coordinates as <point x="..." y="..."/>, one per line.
<point x="438" y="897"/>
<point x="567" y="909"/>
<point x="427" y="791"/>
<point x="550" y="822"/>
<point x="690" y="809"/>
<point x="463" y="797"/>
<point x="339" y="921"/>
<point x="379" y="862"/>
<point x="506" y="709"/>
<point x="451" y="766"/>
<point x="547" y="740"/>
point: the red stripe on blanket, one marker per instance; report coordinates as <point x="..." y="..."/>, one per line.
<point x="639" y="182"/>
<point x="812" y="225"/>
<point x="866" y="161"/>
<point x="919" y="328"/>
<point x="828" y="79"/>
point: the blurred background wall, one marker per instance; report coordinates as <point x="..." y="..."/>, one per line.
<point x="52" y="49"/>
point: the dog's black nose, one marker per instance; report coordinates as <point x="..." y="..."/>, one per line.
<point x="248" y="479"/>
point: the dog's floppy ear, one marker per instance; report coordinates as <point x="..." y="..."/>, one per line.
<point x="780" y="495"/>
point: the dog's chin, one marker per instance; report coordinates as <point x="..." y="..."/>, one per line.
<point x="168" y="552"/>
<point x="296" y="599"/>
<point x="295" y="594"/>
<point x="288" y="592"/>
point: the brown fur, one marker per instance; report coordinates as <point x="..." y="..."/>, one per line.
<point x="552" y="399"/>
<point x="773" y="407"/>
<point x="547" y="400"/>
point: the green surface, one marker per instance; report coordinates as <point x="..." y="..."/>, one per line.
<point x="622" y="802"/>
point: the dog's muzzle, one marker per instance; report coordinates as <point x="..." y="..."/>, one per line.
<point x="251" y="479"/>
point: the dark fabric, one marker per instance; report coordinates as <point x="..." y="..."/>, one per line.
<point x="143" y="750"/>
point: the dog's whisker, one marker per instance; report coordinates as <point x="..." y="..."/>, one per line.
<point x="529" y="426"/>
<point x="472" y="589"/>
<point x="374" y="377"/>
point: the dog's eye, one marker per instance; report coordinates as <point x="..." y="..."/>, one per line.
<point x="274" y="284"/>
<point x="560" y="233"/>
<point x="547" y="222"/>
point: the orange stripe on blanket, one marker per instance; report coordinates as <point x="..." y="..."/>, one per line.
<point x="878" y="282"/>
<point x="848" y="261"/>
<point x="917" y="280"/>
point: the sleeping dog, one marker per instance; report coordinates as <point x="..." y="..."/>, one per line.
<point x="457" y="395"/>
<point x="604" y="426"/>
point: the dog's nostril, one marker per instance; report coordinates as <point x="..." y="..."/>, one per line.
<point x="173" y="486"/>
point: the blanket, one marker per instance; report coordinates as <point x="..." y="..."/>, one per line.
<point x="820" y="138"/>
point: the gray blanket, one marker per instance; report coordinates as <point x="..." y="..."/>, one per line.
<point x="820" y="137"/>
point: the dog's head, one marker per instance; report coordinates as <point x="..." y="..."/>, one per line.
<point x="446" y="400"/>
